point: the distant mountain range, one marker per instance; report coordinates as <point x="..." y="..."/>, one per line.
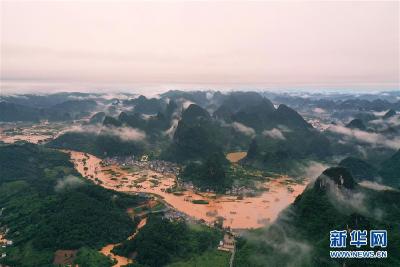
<point x="281" y="133"/>
<point x="190" y="126"/>
<point x="64" y="111"/>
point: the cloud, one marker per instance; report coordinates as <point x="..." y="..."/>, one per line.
<point x="379" y="113"/>
<point x="183" y="103"/>
<point x="209" y="95"/>
<point x="176" y="116"/>
<point x="284" y="128"/>
<point x="243" y="129"/>
<point x="349" y="201"/>
<point x="342" y="197"/>
<point x="171" y="130"/>
<point x="283" y="250"/>
<point x="124" y="133"/>
<point x="85" y="97"/>
<point x="275" y="134"/>
<point x="319" y="110"/>
<point x="146" y="116"/>
<point x="393" y="121"/>
<point x="366" y="137"/>
<point x="363" y="151"/>
<point x="312" y="169"/>
<point x="68" y="182"/>
<point x="109" y="96"/>
<point x="376" y="186"/>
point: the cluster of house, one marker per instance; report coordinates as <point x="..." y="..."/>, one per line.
<point x="240" y="190"/>
<point x="143" y="163"/>
<point x="317" y="124"/>
<point x="31" y="131"/>
<point x="227" y="243"/>
<point x="234" y="191"/>
<point x="4" y="242"/>
<point x="173" y="215"/>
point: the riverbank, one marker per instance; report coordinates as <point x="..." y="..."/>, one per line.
<point x="121" y="261"/>
<point x="246" y="213"/>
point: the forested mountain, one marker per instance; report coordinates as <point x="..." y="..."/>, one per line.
<point x="390" y="170"/>
<point x="97" y="118"/>
<point x="340" y="101"/>
<point x="356" y="124"/>
<point x="161" y="242"/>
<point x="146" y="106"/>
<point x="196" y="136"/>
<point x="14" y="112"/>
<point x="47" y="206"/>
<point x="276" y="139"/>
<point x="197" y="130"/>
<point x="360" y="169"/>
<point x="64" y="111"/>
<point x="99" y="144"/>
<point x="300" y="236"/>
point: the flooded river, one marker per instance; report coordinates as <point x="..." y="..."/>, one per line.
<point x="250" y="212"/>
<point x="121" y="261"/>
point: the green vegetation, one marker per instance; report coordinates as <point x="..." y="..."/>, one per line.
<point x="100" y="145"/>
<point x="212" y="174"/>
<point x="161" y="242"/>
<point x="209" y="258"/>
<point x="284" y="154"/>
<point x="245" y="175"/>
<point x="390" y="170"/>
<point x="159" y="206"/>
<point x="200" y="201"/>
<point x="198" y="135"/>
<point x="359" y="169"/>
<point x="356" y="124"/>
<point x="146" y="105"/>
<point x="67" y="110"/>
<point x="47" y="206"/>
<point x="97" y="118"/>
<point x="218" y="174"/>
<point x="300" y="236"/>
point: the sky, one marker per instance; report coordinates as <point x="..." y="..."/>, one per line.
<point x="137" y="45"/>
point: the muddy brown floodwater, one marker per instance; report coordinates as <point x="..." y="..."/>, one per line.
<point x="250" y="212"/>
<point x="121" y="261"/>
<point x="35" y="139"/>
<point x="236" y="156"/>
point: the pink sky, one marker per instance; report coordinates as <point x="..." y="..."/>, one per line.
<point x="92" y="45"/>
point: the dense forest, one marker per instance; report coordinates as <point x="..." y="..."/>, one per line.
<point x="300" y="236"/>
<point x="101" y="145"/>
<point x="47" y="206"/>
<point x="162" y="241"/>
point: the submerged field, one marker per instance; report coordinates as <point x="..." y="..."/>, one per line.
<point x="237" y="212"/>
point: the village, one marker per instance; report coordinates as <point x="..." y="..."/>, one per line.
<point x="163" y="167"/>
<point x="152" y="205"/>
<point x="237" y="208"/>
<point x="158" y="182"/>
<point x="4" y="242"/>
<point x="37" y="133"/>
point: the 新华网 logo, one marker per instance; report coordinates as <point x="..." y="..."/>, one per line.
<point x="358" y="239"/>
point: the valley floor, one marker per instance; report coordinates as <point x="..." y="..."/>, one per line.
<point x="236" y="213"/>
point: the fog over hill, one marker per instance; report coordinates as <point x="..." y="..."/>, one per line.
<point x="218" y="149"/>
